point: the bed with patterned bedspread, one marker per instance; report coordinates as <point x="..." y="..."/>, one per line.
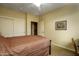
<point x="24" y="46"/>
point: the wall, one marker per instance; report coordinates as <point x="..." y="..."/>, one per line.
<point x="12" y="23"/>
<point x="41" y="26"/>
<point x="62" y="38"/>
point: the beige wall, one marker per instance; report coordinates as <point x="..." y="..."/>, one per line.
<point x="41" y="26"/>
<point x="62" y="38"/>
<point x="11" y="13"/>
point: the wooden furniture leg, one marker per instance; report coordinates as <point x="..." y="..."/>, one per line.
<point x="50" y="48"/>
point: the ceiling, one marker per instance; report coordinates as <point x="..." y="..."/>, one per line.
<point x="33" y="9"/>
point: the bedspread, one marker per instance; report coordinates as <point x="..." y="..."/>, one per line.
<point x="27" y="45"/>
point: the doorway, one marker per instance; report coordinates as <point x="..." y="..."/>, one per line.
<point x="34" y="26"/>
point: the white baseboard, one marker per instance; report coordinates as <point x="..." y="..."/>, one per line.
<point x="63" y="47"/>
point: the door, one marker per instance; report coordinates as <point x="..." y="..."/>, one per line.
<point x="34" y="28"/>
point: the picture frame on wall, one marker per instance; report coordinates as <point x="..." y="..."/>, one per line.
<point x="61" y="25"/>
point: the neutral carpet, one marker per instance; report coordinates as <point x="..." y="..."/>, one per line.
<point x="57" y="51"/>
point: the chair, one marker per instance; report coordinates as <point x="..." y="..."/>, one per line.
<point x="75" y="47"/>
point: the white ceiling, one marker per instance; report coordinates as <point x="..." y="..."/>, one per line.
<point x="31" y="8"/>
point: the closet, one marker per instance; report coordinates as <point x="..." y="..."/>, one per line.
<point x="12" y="27"/>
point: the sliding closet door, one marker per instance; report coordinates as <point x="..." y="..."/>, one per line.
<point x="12" y="27"/>
<point x="6" y="27"/>
<point x="19" y="27"/>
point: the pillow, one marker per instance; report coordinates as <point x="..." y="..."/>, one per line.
<point x="5" y="41"/>
<point x="1" y="37"/>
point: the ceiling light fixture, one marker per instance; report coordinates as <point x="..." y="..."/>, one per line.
<point x="37" y="2"/>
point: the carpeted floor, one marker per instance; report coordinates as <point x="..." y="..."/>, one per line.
<point x="57" y="51"/>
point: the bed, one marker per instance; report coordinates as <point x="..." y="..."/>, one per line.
<point x="24" y="46"/>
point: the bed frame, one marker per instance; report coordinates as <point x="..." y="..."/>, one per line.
<point x="50" y="48"/>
